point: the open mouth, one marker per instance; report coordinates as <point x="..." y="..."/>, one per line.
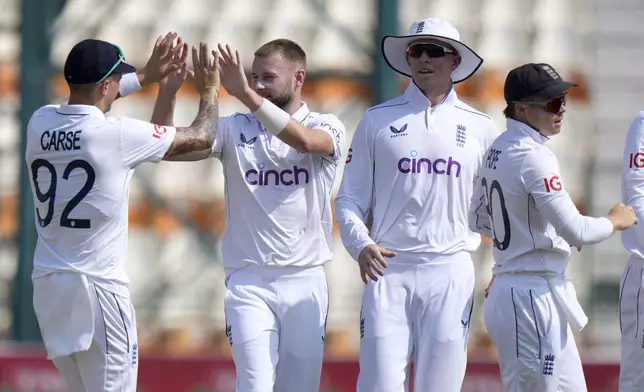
<point x="425" y="71"/>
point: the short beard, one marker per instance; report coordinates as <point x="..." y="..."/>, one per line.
<point x="282" y="100"/>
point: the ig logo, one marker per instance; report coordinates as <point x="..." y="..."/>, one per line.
<point x="552" y="184"/>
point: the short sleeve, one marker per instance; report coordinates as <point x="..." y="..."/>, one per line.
<point x="142" y="141"/>
<point x="223" y="128"/>
<point x="335" y="128"/>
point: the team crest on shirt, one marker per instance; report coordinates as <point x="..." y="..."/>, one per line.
<point x="247" y="143"/>
<point x="460" y="135"/>
<point x="398" y="132"/>
<point x="135" y="354"/>
<point x="548" y="365"/>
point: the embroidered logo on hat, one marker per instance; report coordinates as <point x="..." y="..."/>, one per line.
<point x="551" y="72"/>
<point x="394" y="47"/>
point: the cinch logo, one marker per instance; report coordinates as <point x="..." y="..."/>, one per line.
<point x="636" y="160"/>
<point x="417" y="165"/>
<point x="286" y="177"/>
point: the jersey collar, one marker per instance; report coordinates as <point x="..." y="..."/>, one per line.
<point x="80" y="110"/>
<point x="301" y="113"/>
<point x="528" y="130"/>
<point x="415" y="96"/>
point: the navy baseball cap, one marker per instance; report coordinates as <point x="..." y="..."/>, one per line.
<point x="534" y="80"/>
<point x="92" y="61"/>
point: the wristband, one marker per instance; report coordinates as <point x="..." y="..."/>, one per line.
<point x="129" y="84"/>
<point x="272" y="118"/>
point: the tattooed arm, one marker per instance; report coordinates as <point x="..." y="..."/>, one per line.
<point x="195" y="142"/>
<point x="200" y="136"/>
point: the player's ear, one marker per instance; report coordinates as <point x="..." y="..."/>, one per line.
<point x="520" y="110"/>
<point x="104" y="86"/>
<point x="300" y="75"/>
<point x="456" y="62"/>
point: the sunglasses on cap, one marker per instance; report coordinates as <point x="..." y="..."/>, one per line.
<point x="119" y="61"/>
<point x="432" y="50"/>
<point x="553" y="106"/>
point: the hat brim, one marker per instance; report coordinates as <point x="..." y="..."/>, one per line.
<point x="394" y="51"/>
<point x="555" y="90"/>
<point x="124" y="68"/>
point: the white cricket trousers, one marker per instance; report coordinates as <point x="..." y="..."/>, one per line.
<point x="275" y="323"/>
<point x="110" y="362"/>
<point x="537" y="350"/>
<point x="631" y="324"/>
<point x="419" y="310"/>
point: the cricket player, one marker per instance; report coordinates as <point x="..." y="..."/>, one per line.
<point x="81" y="163"/>
<point x="280" y="161"/>
<point x="631" y="378"/>
<point x="411" y="167"/>
<point x="520" y="201"/>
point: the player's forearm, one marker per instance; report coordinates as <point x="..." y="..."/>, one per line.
<point x="163" y="113"/>
<point x="291" y="132"/>
<point x="353" y="230"/>
<point x="251" y="99"/>
<point x="573" y="227"/>
<point x="586" y="230"/>
<point x="207" y="119"/>
<point x="141" y="76"/>
<point x="201" y="134"/>
<point x="306" y="140"/>
<point x="635" y="199"/>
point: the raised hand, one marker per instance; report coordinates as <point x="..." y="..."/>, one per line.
<point x="163" y="59"/>
<point x="233" y="77"/>
<point x="206" y="69"/>
<point x="173" y="82"/>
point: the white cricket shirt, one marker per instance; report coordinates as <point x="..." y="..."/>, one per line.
<point x="633" y="184"/>
<point x="519" y="200"/>
<point x="412" y="166"/>
<point x="278" y="207"/>
<point x="81" y="164"/>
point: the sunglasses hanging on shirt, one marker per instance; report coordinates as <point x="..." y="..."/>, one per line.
<point x="432" y="50"/>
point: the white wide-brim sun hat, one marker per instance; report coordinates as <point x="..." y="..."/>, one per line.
<point x="394" y="47"/>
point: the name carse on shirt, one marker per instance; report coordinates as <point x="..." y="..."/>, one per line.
<point x="60" y="140"/>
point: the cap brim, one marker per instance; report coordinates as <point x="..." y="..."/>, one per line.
<point x="555" y="90"/>
<point x="124" y="68"/>
<point x="394" y="51"/>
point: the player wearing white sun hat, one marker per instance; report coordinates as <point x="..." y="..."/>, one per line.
<point x="394" y="48"/>
<point x="411" y="167"/>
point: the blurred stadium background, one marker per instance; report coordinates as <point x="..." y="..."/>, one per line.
<point x="177" y="209"/>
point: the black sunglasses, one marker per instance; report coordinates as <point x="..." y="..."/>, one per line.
<point x="553" y="106"/>
<point x="432" y="50"/>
